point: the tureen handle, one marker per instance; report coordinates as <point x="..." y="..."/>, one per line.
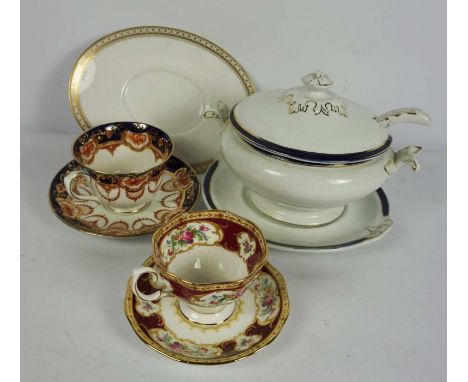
<point x="404" y="115"/>
<point x="220" y="112"/>
<point x="404" y="156"/>
<point x="408" y="154"/>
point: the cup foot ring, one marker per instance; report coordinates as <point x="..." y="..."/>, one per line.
<point x="127" y="212"/>
<point x="196" y="315"/>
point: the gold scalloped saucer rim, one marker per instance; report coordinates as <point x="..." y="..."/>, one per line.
<point x="283" y="315"/>
<point x="109" y="235"/>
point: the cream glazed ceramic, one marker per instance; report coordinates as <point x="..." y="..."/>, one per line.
<point x="305" y="153"/>
<point x="257" y="318"/>
<point x="363" y="221"/>
<point x="169" y="78"/>
<point x="207" y="260"/>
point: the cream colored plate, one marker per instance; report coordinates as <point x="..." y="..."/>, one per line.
<point x="363" y="221"/>
<point x="169" y="78"/>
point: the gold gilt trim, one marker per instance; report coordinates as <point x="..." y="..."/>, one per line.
<point x="311" y="164"/>
<point x="218" y="232"/>
<point x="234" y="120"/>
<point x="228" y="322"/>
<point x="133" y="173"/>
<point x="96" y="233"/>
<point x="143" y="31"/>
<point x="283" y="315"/>
<point x="195" y="215"/>
<point x="376" y="231"/>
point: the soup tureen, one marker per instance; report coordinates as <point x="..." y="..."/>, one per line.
<point x="305" y="152"/>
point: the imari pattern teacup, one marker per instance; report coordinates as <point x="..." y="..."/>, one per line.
<point x="207" y="260"/>
<point x="124" y="161"/>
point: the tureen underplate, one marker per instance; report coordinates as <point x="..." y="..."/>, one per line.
<point x="169" y="78"/>
<point x="362" y="222"/>
<point x="177" y="192"/>
<point x="258" y="317"/>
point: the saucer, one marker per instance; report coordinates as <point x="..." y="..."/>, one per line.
<point x="169" y="78"/>
<point x="258" y="317"/>
<point x="363" y="221"/>
<point x="177" y="192"/>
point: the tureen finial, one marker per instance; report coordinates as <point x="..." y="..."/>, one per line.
<point x="317" y="79"/>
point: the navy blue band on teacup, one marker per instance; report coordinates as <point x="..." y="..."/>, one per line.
<point x="114" y="131"/>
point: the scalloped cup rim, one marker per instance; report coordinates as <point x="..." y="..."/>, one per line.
<point x="166" y="136"/>
<point x="200" y="215"/>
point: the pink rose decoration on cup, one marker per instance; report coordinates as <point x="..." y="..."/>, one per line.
<point x="192" y="234"/>
<point x="187" y="236"/>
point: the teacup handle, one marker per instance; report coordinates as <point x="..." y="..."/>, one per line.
<point x="164" y="288"/>
<point x="67" y="181"/>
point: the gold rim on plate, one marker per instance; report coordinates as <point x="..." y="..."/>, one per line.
<point x="282" y="317"/>
<point x="74" y="223"/>
<point x="143" y="31"/>
<point x="146" y="31"/>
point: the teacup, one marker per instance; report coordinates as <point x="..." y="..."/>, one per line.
<point x="207" y="260"/>
<point x="124" y="161"/>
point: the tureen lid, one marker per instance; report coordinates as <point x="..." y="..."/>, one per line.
<point x="310" y="123"/>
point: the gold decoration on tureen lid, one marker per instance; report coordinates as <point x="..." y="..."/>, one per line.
<point x="310" y="122"/>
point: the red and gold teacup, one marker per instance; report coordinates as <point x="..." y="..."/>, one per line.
<point x="207" y="259"/>
<point x="124" y="161"/>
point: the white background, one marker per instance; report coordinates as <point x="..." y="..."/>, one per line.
<point x="377" y="313"/>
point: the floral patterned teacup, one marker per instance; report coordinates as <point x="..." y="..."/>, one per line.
<point x="123" y="161"/>
<point x="207" y="259"/>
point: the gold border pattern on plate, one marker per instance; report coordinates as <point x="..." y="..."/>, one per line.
<point x="143" y="31"/>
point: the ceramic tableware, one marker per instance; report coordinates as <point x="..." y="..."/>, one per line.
<point x="207" y="260"/>
<point x="162" y="76"/>
<point x="305" y="153"/>
<point x="364" y="221"/>
<point x="258" y="317"/>
<point x="124" y="161"/>
<point x="176" y="193"/>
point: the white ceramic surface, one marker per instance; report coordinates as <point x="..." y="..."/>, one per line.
<point x="310" y="118"/>
<point x="305" y="194"/>
<point x="124" y="160"/>
<point x="313" y="119"/>
<point x="172" y="79"/>
<point x="306" y="153"/>
<point x="363" y="221"/>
